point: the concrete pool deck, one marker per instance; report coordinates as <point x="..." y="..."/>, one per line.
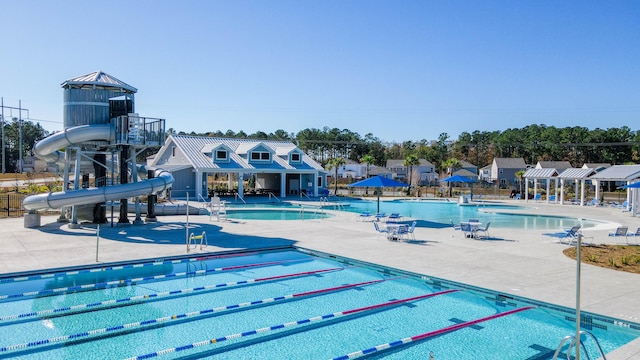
<point x="520" y="262"/>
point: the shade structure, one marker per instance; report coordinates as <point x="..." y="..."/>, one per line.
<point x="634" y="185"/>
<point x="378" y="182"/>
<point x="458" y="178"/>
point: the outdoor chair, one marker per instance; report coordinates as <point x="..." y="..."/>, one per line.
<point x="620" y="231"/>
<point x="365" y="216"/>
<point x="380" y="216"/>
<point x="380" y="230"/>
<point x="635" y="235"/>
<point x="484" y="231"/>
<point x="537" y="197"/>
<point x="467" y="230"/>
<point x="552" y="198"/>
<point x="571" y="235"/>
<point x="455" y="227"/>
<point x="407" y="231"/>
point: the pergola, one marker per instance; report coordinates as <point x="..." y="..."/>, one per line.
<point x="540" y="174"/>
<point x="578" y="176"/>
<point x="626" y="173"/>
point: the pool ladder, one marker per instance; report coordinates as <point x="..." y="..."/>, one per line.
<point x="573" y="343"/>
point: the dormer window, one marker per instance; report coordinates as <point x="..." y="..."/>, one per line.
<point x="295" y="157"/>
<point x="260" y="156"/>
<point x="222" y="155"/>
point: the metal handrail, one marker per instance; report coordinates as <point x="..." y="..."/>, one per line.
<point x="573" y="343"/>
<point x="275" y="197"/>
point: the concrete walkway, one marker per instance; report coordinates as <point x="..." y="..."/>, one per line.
<point x="523" y="263"/>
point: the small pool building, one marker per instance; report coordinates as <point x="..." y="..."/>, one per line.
<point x="204" y="165"/>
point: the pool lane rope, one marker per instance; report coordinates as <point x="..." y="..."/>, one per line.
<point x="166" y="319"/>
<point x="125" y="282"/>
<point x="147" y="297"/>
<point x="426" y="335"/>
<point x="118" y="267"/>
<point x="289" y="324"/>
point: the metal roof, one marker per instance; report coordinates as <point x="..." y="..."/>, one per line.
<point x="540" y="173"/>
<point x="618" y="173"/>
<point x="100" y="79"/>
<point x="559" y="165"/>
<point x="510" y="163"/>
<point x="574" y="173"/>
<point x="193" y="146"/>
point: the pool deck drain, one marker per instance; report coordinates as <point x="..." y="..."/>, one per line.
<point x="524" y="262"/>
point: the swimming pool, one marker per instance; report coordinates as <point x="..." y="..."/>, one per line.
<point x="442" y="213"/>
<point x="276" y="213"/>
<point x="278" y="304"/>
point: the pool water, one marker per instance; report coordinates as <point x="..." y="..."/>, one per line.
<point x="275" y="213"/>
<point x="280" y="304"/>
<point x="442" y="213"/>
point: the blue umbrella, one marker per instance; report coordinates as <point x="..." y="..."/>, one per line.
<point x="634" y="185"/>
<point x="378" y="182"/>
<point x="458" y="178"/>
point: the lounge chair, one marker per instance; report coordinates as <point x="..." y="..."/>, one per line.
<point x="571" y="235"/>
<point x="472" y="220"/>
<point x="394" y="217"/>
<point x="537" y="197"/>
<point x="635" y="235"/>
<point x="365" y="216"/>
<point x="517" y="197"/>
<point x="552" y="198"/>
<point x="620" y="231"/>
<point x="380" y="230"/>
<point x="380" y="216"/>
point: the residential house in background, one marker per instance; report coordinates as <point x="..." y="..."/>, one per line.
<point x="503" y="170"/>
<point x="424" y="172"/>
<point x="350" y="169"/>
<point x="485" y="174"/>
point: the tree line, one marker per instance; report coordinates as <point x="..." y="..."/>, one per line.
<point x="533" y="143"/>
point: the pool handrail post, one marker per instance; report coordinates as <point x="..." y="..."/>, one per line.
<point x="186" y="228"/>
<point x="578" y="262"/>
<point x="97" y="240"/>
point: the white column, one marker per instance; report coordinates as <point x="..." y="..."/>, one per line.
<point x="575" y="181"/>
<point x="561" y="191"/>
<point x="596" y="183"/>
<point x="198" y="185"/>
<point x="526" y="191"/>
<point x="535" y="187"/>
<point x="283" y="185"/>
<point x="315" y="183"/>
<point x="548" y="188"/>
<point x="241" y="185"/>
<point x="629" y="196"/>
<point x="582" y="192"/>
<point x="229" y="182"/>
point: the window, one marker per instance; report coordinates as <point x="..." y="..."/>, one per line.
<point x="295" y="157"/>
<point x="221" y="155"/>
<point x="173" y="151"/>
<point x="319" y="181"/>
<point x="260" y="156"/>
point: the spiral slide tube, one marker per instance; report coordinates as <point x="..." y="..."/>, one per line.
<point x="153" y="296"/>
<point x="48" y="150"/>
<point x="445" y="330"/>
<point x="289" y="324"/>
<point x="167" y="319"/>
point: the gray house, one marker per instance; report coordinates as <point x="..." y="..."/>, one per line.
<point x="503" y="170"/>
<point x="277" y="167"/>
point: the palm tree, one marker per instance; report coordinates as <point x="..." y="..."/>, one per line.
<point x="410" y="161"/>
<point x="520" y="176"/>
<point x="451" y="165"/>
<point x="369" y="160"/>
<point x="335" y="163"/>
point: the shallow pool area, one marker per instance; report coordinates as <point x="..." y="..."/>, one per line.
<point x="279" y="303"/>
<point x="277" y="213"/>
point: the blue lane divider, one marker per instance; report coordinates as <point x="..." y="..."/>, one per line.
<point x="145" y="323"/>
<point x="288" y="324"/>
<point x="124" y="282"/>
<point x="118" y="267"/>
<point x="147" y="297"/>
<point x="426" y="335"/>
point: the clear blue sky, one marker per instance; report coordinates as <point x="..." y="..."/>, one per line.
<point x="400" y="70"/>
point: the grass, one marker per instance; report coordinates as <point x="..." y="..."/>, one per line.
<point x="616" y="257"/>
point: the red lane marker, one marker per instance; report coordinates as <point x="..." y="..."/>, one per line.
<point x="398" y="302"/>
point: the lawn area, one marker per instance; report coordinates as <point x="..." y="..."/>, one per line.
<point x="617" y="257"/>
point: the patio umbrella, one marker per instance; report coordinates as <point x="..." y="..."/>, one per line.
<point x="378" y="182"/>
<point x="634" y="185"/>
<point x="460" y="179"/>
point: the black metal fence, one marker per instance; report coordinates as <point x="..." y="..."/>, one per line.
<point x="11" y="206"/>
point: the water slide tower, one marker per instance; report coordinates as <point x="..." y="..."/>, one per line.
<point x="102" y="136"/>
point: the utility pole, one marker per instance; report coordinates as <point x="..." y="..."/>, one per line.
<point x="20" y="110"/>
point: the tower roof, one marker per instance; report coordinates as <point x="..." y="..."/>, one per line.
<point x="98" y="79"/>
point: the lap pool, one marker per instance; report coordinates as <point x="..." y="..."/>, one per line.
<point x="286" y="303"/>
